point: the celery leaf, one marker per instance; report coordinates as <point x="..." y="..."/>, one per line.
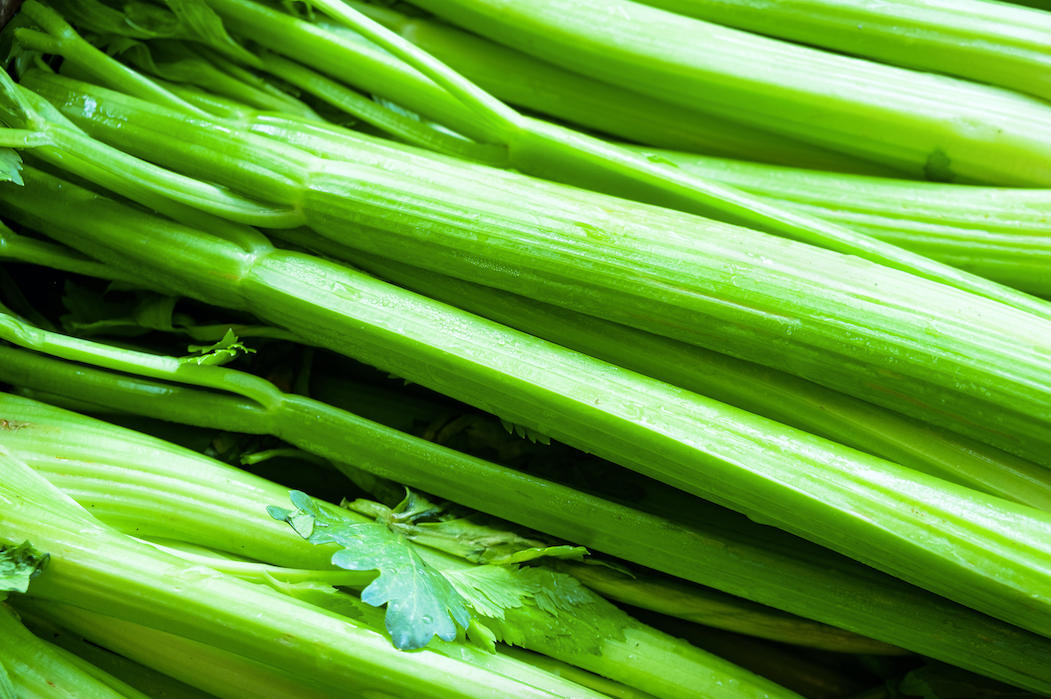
<point x="421" y="602"/>
<point x="222" y="352"/>
<point x="18" y="565"/>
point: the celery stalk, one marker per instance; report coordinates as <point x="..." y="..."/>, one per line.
<point x="559" y="154"/>
<point x="771" y="472"/>
<point x="930" y="124"/>
<point x="988" y="42"/>
<point x="999" y="233"/>
<point x="95" y="567"/>
<point x="655" y="269"/>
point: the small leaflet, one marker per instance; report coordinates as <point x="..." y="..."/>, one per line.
<point x="222" y="352"/>
<point x="18" y="565"/>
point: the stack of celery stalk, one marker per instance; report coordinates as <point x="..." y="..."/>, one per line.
<point x="525" y="348"/>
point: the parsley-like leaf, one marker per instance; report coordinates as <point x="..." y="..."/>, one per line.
<point x="18" y="565"/>
<point x="222" y="352"/>
<point x="421" y="603"/>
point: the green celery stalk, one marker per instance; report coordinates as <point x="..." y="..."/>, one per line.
<point x="650" y="268"/>
<point x="412" y="461"/>
<point x="151" y="683"/>
<point x="97" y="568"/>
<point x="927" y="124"/>
<point x="650" y="427"/>
<point x="559" y="154"/>
<point x="522" y="80"/>
<point x="39" y="670"/>
<point x="719" y="548"/>
<point x="215" y="671"/>
<point x="999" y="233"/>
<point x="757" y="389"/>
<point x="175" y="61"/>
<point x="987" y="42"/>
<point x="640" y="657"/>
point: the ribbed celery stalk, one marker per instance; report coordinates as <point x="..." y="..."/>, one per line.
<point x="988" y="554"/>
<point x="999" y="233"/>
<point x="772" y="394"/>
<point x="39" y="670"/>
<point x="709" y="284"/>
<point x="927" y="124"/>
<point x="549" y="151"/>
<point x="148" y="681"/>
<point x="95" y="567"/>
<point x="495" y="489"/>
<point x="520" y="79"/>
<point x="134" y="483"/>
<point x="988" y="42"/>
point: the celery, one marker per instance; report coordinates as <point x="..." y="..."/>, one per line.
<point x="98" y="567"/>
<point x="522" y="80"/>
<point x="565" y="622"/>
<point x="574" y="376"/>
<point x="987" y="42"/>
<point x="718" y="549"/>
<point x="759" y="390"/>
<point x="549" y="151"/>
<point x="924" y="123"/>
<point x="998" y="233"/>
<point x="39" y="670"/>
<point x="651" y="268"/>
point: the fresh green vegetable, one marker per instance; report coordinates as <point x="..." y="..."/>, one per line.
<point x="520" y="79"/>
<point x="780" y="571"/>
<point x="679" y="281"/>
<point x="988" y="42"/>
<point x="99" y="567"/>
<point x="929" y="125"/>
<point x="548" y="151"/>
<point x="426" y="594"/>
<point x="999" y="233"/>
<point x="807" y="485"/>
<point x="759" y="390"/>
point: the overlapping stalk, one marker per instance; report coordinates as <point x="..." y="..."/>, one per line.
<point x="773" y="473"/>
<point x="676" y="275"/>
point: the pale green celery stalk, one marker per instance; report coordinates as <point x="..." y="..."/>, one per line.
<point x="999" y="233"/>
<point x="927" y="124"/>
<point x="560" y="154"/>
<point x="609" y="688"/>
<point x="402" y="127"/>
<point x="211" y="670"/>
<point x="402" y="456"/>
<point x="641" y="657"/>
<point x="60" y="39"/>
<point x="374" y="72"/>
<point x="655" y="269"/>
<point x="20" y="248"/>
<point x="186" y="405"/>
<point x="522" y="80"/>
<point x="806" y="485"/>
<point x="988" y="42"/>
<point x="150" y="682"/>
<point x="41" y="671"/>
<point x="776" y="395"/>
<point x="57" y="142"/>
<point x="178" y="62"/>
<point x="96" y="568"/>
<point x="579" y="389"/>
